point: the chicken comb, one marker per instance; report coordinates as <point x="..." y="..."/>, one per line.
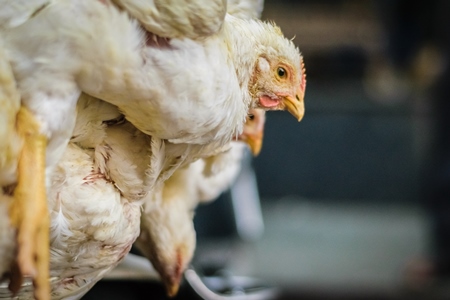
<point x="303" y="82"/>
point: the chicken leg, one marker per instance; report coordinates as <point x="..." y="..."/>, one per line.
<point x="28" y="211"/>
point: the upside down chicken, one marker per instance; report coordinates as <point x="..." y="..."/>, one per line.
<point x="167" y="234"/>
<point x="93" y="224"/>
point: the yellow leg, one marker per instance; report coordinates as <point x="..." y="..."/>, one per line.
<point x="28" y="211"/>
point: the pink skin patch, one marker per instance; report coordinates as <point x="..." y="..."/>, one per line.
<point x="178" y="267"/>
<point x="267" y="102"/>
<point x="303" y="83"/>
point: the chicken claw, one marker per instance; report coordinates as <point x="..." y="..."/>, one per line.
<point x="28" y="211"/>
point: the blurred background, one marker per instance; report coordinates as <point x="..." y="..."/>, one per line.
<point x="352" y="202"/>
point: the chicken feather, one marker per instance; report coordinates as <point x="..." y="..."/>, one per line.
<point x="10" y="104"/>
<point x="179" y="92"/>
<point x="177" y="19"/>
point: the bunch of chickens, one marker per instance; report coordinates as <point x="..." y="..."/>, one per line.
<point x="118" y="117"/>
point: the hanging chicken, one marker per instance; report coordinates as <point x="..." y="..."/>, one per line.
<point x="167" y="235"/>
<point x="93" y="224"/>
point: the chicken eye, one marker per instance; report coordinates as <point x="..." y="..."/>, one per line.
<point x="251" y="117"/>
<point x="281" y="72"/>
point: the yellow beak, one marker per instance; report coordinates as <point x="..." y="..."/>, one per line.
<point x="295" y="105"/>
<point x="172" y="289"/>
<point x="254" y="142"/>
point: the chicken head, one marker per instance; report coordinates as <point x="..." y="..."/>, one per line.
<point x="253" y="131"/>
<point x="279" y="79"/>
<point x="167" y="235"/>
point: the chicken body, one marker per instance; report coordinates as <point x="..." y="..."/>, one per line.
<point x="93" y="222"/>
<point x="93" y="225"/>
<point x="176" y="89"/>
<point x="121" y="152"/>
<point x="92" y="228"/>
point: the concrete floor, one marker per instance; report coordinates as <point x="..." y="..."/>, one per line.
<point x="340" y="247"/>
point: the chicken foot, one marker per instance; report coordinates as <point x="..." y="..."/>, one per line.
<point x="28" y="211"/>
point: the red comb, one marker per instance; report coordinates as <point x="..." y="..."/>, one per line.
<point x="303" y="82"/>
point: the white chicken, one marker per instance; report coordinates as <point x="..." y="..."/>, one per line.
<point x="192" y="91"/>
<point x="93" y="224"/>
<point x="167" y="235"/>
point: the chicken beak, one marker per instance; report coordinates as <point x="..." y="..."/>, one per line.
<point x="254" y="142"/>
<point x="172" y="289"/>
<point x="295" y="105"/>
<point x="171" y="283"/>
<point x="172" y="273"/>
